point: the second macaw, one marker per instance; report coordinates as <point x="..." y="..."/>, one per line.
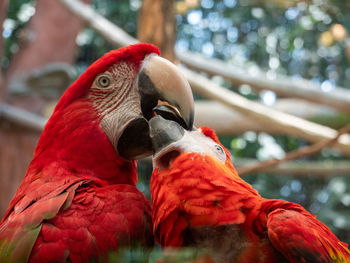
<point x="199" y="201"/>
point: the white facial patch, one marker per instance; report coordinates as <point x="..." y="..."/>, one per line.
<point x="192" y="141"/>
<point x="106" y="98"/>
<point x="115" y="98"/>
<point x="195" y="141"/>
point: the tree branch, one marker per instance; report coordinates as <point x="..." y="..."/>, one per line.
<point x="301" y="152"/>
<point x="302" y="168"/>
<point x="103" y="26"/>
<point x="288" y="124"/>
<point x="226" y="121"/>
<point x="22" y="118"/>
<point x="338" y="98"/>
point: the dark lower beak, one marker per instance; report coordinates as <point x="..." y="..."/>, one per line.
<point x="164" y="132"/>
<point x="135" y="142"/>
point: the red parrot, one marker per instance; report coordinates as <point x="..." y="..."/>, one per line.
<point x="199" y="201"/>
<point x="78" y="201"/>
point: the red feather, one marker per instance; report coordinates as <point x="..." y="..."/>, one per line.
<point x="198" y="201"/>
<point x="78" y="200"/>
<point x="133" y="54"/>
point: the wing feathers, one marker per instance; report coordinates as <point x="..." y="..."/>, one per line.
<point x="300" y="237"/>
<point x="21" y="228"/>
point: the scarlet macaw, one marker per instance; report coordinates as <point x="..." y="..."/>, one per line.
<point x="199" y="201"/>
<point x="78" y="201"/>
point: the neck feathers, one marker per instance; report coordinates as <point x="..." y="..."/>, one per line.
<point x="74" y="141"/>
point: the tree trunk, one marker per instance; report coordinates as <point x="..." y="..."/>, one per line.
<point x="157" y="25"/>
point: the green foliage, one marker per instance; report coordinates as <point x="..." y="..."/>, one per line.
<point x="92" y="46"/>
<point x="18" y="14"/>
<point x="277" y="39"/>
<point x="340" y="120"/>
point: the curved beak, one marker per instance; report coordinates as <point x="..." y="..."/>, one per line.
<point x="164" y="91"/>
<point x="161" y="82"/>
<point x="164" y="132"/>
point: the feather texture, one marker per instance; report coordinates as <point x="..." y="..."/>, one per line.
<point x="201" y="202"/>
<point x="78" y="200"/>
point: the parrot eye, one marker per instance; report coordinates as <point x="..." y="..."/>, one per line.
<point x="219" y="149"/>
<point x="103" y="81"/>
<point x="221" y="154"/>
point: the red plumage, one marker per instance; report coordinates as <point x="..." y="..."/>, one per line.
<point x="78" y="200"/>
<point x="201" y="202"/>
<point x="133" y="54"/>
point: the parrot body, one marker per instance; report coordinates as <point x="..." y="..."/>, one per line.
<point x="199" y="201"/>
<point x="78" y="201"/>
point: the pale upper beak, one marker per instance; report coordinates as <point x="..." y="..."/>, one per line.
<point x="160" y="80"/>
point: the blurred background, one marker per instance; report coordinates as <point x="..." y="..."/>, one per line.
<point x="288" y="56"/>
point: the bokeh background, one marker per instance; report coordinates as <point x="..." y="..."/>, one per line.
<point x="44" y="47"/>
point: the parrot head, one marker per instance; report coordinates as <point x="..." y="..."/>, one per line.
<point x="122" y="90"/>
<point x="171" y="142"/>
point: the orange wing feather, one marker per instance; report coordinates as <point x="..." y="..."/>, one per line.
<point x="300" y="237"/>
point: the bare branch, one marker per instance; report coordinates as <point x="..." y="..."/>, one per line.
<point x="324" y="168"/>
<point x="22" y="117"/>
<point x="338" y="98"/>
<point x="301" y="152"/>
<point x="226" y="121"/>
<point x="103" y="26"/>
<point x="288" y="124"/>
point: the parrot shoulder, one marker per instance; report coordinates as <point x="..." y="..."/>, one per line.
<point x="300" y="237"/>
<point x="103" y="218"/>
<point x="36" y="201"/>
